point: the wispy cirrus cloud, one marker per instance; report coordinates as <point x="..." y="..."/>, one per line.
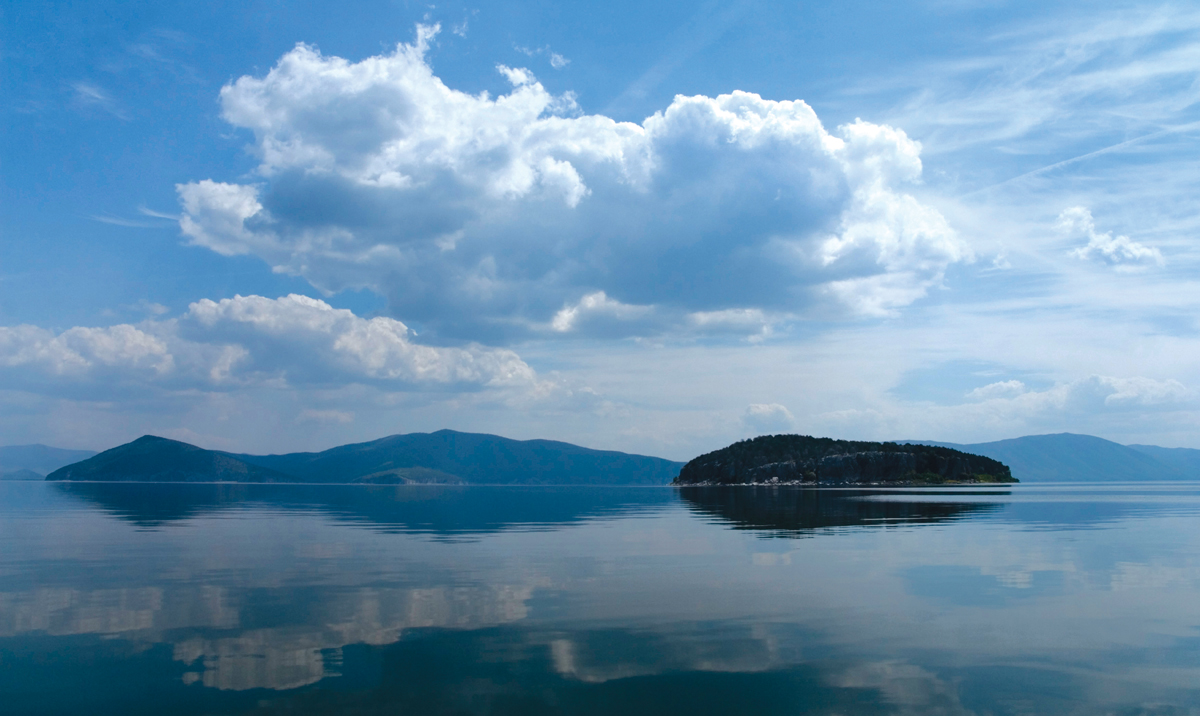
<point x="1058" y="80"/>
<point x="1058" y="110"/>
<point x="120" y="221"/>
<point x="709" y="23"/>
<point x="87" y="95"/>
<point x="153" y="220"/>
<point x="557" y="61"/>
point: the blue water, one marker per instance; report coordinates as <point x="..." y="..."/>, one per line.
<point x="219" y="599"/>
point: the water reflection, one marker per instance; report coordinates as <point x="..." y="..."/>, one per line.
<point x="792" y="511"/>
<point x="441" y="510"/>
<point x="270" y="600"/>
<point x="503" y="672"/>
<point x="228" y="642"/>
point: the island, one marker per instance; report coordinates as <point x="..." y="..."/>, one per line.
<point x="806" y="460"/>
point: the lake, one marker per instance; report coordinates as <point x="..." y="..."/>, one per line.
<point x="240" y="599"/>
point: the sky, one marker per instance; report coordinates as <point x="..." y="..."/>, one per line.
<point x="272" y="226"/>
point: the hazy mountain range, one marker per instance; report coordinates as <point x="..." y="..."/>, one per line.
<point x="34" y="462"/>
<point x="1066" y="457"/>
<point x="447" y="456"/>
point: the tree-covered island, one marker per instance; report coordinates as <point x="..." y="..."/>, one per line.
<point x="805" y="460"/>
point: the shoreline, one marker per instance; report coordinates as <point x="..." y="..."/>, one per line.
<point x="885" y="483"/>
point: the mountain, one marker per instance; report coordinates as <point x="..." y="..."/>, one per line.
<point x="22" y="474"/>
<point x="472" y="458"/>
<point x="41" y="459"/>
<point x="1067" y="457"/>
<point x="825" y="461"/>
<point x="443" y="457"/>
<point x="1186" y="461"/>
<point x="155" y="459"/>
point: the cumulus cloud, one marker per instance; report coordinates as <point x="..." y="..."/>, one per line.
<point x="80" y="351"/>
<point x="254" y="341"/>
<point x="487" y="217"/>
<point x="768" y="418"/>
<point x="307" y="339"/>
<point x="594" y="308"/>
<point x="1120" y="251"/>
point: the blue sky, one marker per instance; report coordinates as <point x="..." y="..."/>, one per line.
<point x="660" y="228"/>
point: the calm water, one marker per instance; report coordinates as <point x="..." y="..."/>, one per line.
<point x="204" y="599"/>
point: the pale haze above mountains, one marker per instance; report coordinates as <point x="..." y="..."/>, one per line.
<point x="651" y="228"/>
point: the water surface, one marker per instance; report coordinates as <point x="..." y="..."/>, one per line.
<point x="222" y="599"/>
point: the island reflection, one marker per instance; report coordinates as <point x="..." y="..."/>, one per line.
<point x="797" y="511"/>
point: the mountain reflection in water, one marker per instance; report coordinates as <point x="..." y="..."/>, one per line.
<point x="435" y="509"/>
<point x="230" y="599"/>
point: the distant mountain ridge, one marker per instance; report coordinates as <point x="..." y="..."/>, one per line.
<point x="442" y="457"/>
<point x="33" y="462"/>
<point x="1069" y="457"/>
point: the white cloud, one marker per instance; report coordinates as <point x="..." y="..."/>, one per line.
<point x="80" y="351"/>
<point x="1122" y="252"/>
<point x="1094" y="404"/>
<point x="1000" y="389"/>
<point x="596" y="306"/>
<point x="598" y="315"/>
<point x="246" y="341"/>
<point x="557" y="61"/>
<point x="751" y="322"/>
<point x="768" y="418"/>
<point x="301" y="336"/>
<point x="1084" y="395"/>
<point x="215" y="215"/>
<point x="1136" y="391"/>
<point x="483" y="217"/>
